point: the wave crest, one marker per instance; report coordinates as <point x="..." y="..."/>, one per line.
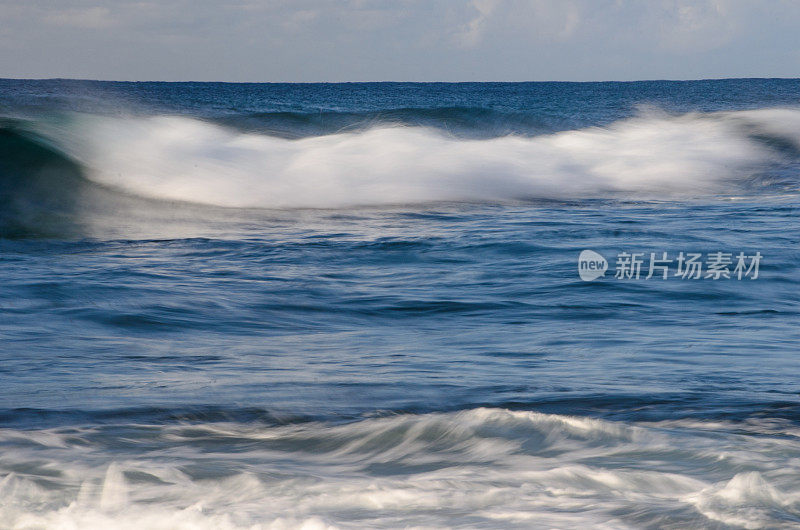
<point x="649" y="156"/>
<point x="485" y="467"/>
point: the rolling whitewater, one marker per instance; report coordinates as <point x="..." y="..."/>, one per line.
<point x="233" y="306"/>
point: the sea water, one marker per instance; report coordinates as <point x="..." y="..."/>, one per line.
<point x="359" y="305"/>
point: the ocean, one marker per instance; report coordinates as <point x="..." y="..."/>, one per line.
<point x="361" y="305"/>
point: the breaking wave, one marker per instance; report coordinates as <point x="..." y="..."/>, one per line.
<point x="176" y="158"/>
<point x="478" y="468"/>
<point x="50" y="162"/>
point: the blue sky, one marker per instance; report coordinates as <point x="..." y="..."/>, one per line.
<point x="414" y="40"/>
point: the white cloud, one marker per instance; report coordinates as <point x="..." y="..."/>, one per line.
<point x="89" y="18"/>
<point x="469" y="34"/>
<point x="701" y="25"/>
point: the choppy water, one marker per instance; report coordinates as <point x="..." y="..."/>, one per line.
<point x="280" y="306"/>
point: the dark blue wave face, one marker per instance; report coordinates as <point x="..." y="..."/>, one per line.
<point x="243" y="335"/>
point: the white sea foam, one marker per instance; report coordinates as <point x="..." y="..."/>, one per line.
<point x="482" y="467"/>
<point x="653" y="155"/>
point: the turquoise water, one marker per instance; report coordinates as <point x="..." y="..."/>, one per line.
<point x="358" y="305"/>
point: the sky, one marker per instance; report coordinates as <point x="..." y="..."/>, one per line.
<point x="399" y="40"/>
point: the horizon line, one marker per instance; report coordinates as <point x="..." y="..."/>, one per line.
<point x="392" y="81"/>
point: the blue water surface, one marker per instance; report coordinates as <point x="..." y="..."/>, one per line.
<point x="198" y="315"/>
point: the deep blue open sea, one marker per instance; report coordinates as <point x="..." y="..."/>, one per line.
<point x="256" y="306"/>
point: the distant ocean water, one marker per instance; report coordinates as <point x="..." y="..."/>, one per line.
<point x="358" y="305"/>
